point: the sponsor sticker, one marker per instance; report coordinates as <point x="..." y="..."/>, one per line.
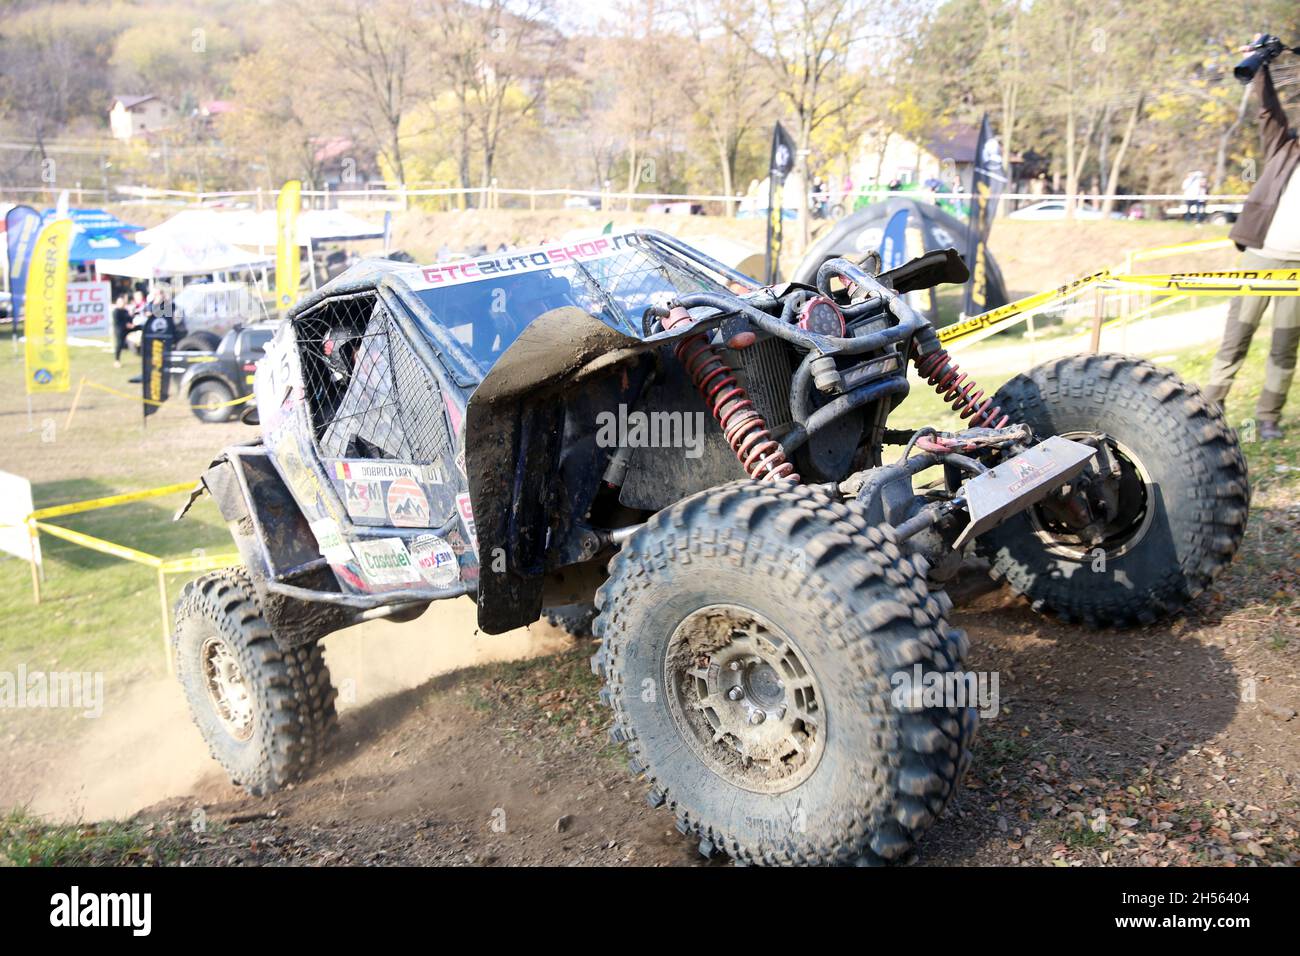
<point x="385" y="561"/>
<point x="407" y="505"/>
<point x="364" y="499"/>
<point x="331" y="542"/>
<point x="436" y="560"/>
<point x="376" y="470"/>
<point x="466" y="513"/>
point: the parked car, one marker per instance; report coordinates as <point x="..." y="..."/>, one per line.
<point x="1050" y="209"/>
<point x="1219" y="213"/>
<point x="211" y="384"/>
<point x="205" y="311"/>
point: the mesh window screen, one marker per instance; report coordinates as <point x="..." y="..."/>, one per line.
<point x="370" y="395"/>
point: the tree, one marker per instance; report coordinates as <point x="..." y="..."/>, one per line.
<point x="807" y="46"/>
<point x="720" y="87"/>
<point x="375" y="52"/>
<point x="496" y="59"/>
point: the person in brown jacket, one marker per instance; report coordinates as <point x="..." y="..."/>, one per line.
<point x="1268" y="233"/>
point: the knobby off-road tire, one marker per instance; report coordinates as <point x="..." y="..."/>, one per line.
<point x="278" y="726"/>
<point x="856" y="611"/>
<point x="1195" y="490"/>
<point x="574" y="619"/>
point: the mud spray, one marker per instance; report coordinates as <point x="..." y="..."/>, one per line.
<point x="144" y="748"/>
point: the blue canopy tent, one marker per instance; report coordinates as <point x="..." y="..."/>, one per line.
<point x="98" y="235"/>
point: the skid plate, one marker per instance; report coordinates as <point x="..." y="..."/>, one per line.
<point x="1019" y="482"/>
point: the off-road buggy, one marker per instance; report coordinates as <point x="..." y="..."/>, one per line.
<point x="769" y="581"/>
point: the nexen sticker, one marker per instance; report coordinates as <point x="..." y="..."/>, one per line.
<point x="407" y="505"/>
<point x="333" y="546"/>
<point x="364" y="499"/>
<point x="435" y="560"/>
<point x="386" y="561"/>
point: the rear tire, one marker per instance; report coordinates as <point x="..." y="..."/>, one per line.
<point x="266" y="714"/>
<point x="776" y="584"/>
<point x="1195" y="489"/>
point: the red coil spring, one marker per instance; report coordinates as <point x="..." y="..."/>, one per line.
<point x="742" y="425"/>
<point x="959" y="390"/>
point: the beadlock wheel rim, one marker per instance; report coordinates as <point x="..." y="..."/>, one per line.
<point x="227" y="688"/>
<point x="744" y="698"/>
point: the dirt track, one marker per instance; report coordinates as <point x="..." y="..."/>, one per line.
<point x="508" y="764"/>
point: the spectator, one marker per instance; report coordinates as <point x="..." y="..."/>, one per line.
<point x="121" y="325"/>
<point x="1194" y="193"/>
<point x="1268" y="233"/>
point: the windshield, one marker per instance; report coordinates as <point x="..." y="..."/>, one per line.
<point x="487" y="302"/>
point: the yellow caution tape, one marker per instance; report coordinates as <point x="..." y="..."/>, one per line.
<point x="1005" y="316"/>
<point x="1235" y="282"/>
<point x="150" y="401"/>
<point x="210" y="562"/>
<point x="99" y="544"/>
<point x="1161" y="252"/>
<point x="1253" y="282"/>
<point x="92" y="504"/>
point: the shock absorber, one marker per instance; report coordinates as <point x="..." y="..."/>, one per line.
<point x="742" y="425"/>
<point x="957" y="388"/>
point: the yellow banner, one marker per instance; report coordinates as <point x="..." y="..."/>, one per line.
<point x="286" y="244"/>
<point x="46" y="323"/>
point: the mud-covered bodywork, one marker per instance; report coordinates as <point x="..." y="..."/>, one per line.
<point x="432" y="431"/>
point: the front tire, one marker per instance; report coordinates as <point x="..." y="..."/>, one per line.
<point x="266" y="714"/>
<point x="1185" y="504"/>
<point x="209" y="401"/>
<point x="775" y="599"/>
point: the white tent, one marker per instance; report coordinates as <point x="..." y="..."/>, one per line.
<point x="197" y="223"/>
<point x="183" y="255"/>
<point x="247" y="228"/>
<point x="314" y="227"/>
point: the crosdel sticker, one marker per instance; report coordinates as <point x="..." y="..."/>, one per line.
<point x="364" y="499"/>
<point x="333" y="546"/>
<point x="386" y="561"/>
<point x="407" y="505"/>
<point x="436" y="560"/>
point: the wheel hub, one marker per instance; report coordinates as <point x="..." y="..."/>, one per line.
<point x="744" y="698"/>
<point x="1107" y="508"/>
<point x="228" y="689"/>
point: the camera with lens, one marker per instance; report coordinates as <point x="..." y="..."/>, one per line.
<point x="1262" y="50"/>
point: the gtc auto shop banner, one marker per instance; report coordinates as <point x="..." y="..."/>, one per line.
<point x="46" y="323"/>
<point x="89" y="308"/>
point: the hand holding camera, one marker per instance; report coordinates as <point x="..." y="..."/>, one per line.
<point x="1263" y="49"/>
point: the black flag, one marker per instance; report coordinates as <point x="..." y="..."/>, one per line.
<point x="155" y="355"/>
<point x="779" y="169"/>
<point x="988" y="178"/>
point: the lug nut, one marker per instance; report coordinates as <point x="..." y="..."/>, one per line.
<point x="757" y="717"/>
<point x="735" y="693"/>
